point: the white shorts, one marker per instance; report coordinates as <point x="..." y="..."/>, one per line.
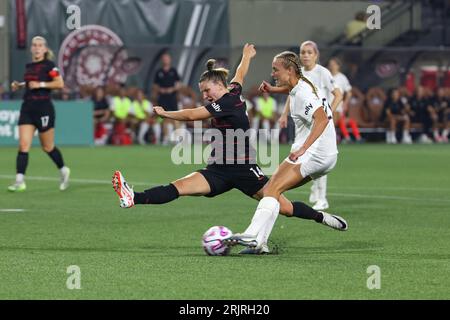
<point x="313" y="165"/>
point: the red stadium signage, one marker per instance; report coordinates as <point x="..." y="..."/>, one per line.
<point x="21" y="24"/>
<point x="93" y="55"/>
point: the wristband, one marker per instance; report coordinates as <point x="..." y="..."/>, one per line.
<point x="42" y="84"/>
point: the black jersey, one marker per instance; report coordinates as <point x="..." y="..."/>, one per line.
<point x="44" y="70"/>
<point x="230" y="117"/>
<point x="396" y="107"/>
<point x="167" y="79"/>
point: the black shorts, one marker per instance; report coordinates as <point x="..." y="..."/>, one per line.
<point x="40" y="114"/>
<point x="248" y="178"/>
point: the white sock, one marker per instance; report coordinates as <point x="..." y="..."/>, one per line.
<point x="157" y="132"/>
<point x="445" y="133"/>
<point x="263" y="235"/>
<point x="436" y="134"/>
<point x="63" y="170"/>
<point x="315" y="186"/>
<point x="143" y="128"/>
<point x="20" y="178"/>
<point x="262" y="215"/>
<point x="322" y="188"/>
<point x="170" y="132"/>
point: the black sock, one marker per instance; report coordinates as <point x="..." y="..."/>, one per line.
<point x="21" y="162"/>
<point x="302" y="210"/>
<point x="157" y="195"/>
<point x="57" y="157"/>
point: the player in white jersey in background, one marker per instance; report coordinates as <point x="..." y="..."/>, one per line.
<point x="322" y="79"/>
<point x="341" y="117"/>
<point x="313" y="154"/>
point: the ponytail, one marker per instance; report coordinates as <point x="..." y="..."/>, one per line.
<point x="214" y="74"/>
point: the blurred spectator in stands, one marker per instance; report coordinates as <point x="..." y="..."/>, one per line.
<point x="187" y="99"/>
<point x="355" y="26"/>
<point x="120" y="107"/>
<point x="358" y="102"/>
<point x="86" y="92"/>
<point x="375" y="99"/>
<point x="250" y="97"/>
<point x="421" y="110"/>
<point x="441" y="110"/>
<point x="266" y="109"/>
<point x="165" y="86"/>
<point x="64" y="94"/>
<point x="397" y="111"/>
<point x="102" y="115"/>
<point x="341" y="116"/>
<point x="352" y="29"/>
<point x="2" y="93"/>
<point x="141" y="112"/>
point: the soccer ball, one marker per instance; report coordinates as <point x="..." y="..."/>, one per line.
<point x="212" y="241"/>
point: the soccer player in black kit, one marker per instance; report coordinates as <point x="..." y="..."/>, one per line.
<point x="222" y="174"/>
<point x="37" y="112"/>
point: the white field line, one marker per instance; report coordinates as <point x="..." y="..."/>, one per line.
<point x="344" y="195"/>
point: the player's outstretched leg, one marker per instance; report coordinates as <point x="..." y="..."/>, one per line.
<point x="304" y="211"/>
<point x="334" y="221"/>
<point x="123" y="190"/>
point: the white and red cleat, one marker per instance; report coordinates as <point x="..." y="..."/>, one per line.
<point x="123" y="190"/>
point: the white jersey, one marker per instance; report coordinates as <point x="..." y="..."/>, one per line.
<point x="321" y="77"/>
<point x="343" y="84"/>
<point x="303" y="104"/>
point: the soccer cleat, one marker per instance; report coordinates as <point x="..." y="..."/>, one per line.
<point x="65" y="174"/>
<point x="242" y="239"/>
<point x="321" y="204"/>
<point x="334" y="221"/>
<point x="123" y="190"/>
<point x="17" y="187"/>
<point x="264" y="249"/>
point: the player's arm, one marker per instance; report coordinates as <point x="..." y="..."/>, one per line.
<point x="247" y="54"/>
<point x="267" y="87"/>
<point x="320" y="123"/>
<point x="56" y="83"/>
<point x="284" y="116"/>
<point x="16" y="85"/>
<point x="347" y="97"/>
<point x="337" y="93"/>
<point x="200" y="113"/>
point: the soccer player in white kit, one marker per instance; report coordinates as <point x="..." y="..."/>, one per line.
<point x="313" y="154"/>
<point x="322" y="79"/>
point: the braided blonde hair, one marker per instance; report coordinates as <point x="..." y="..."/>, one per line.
<point x="290" y="59"/>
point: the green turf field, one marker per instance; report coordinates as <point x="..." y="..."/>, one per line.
<point x="395" y="198"/>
